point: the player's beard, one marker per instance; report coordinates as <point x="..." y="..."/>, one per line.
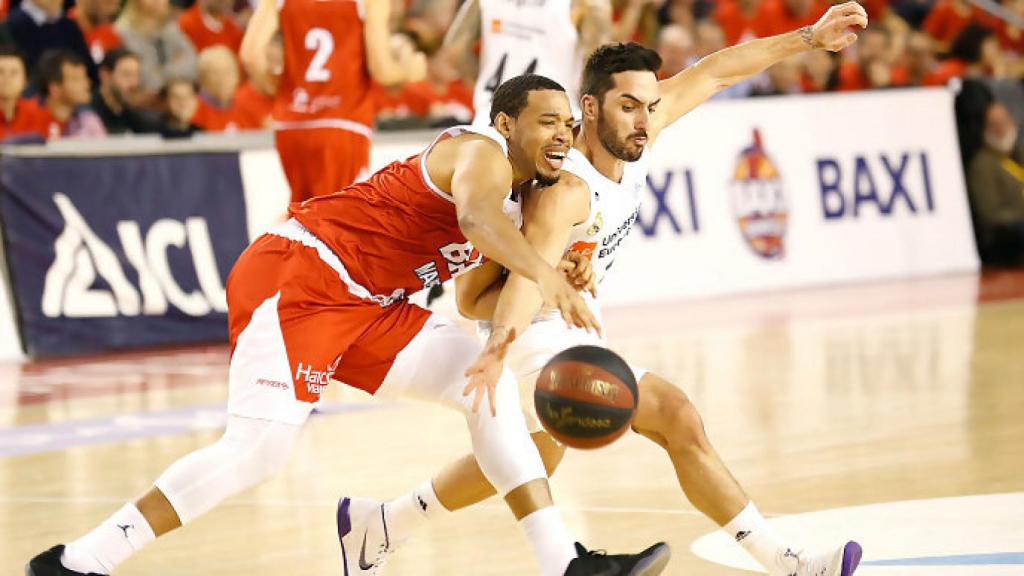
<point x="618" y="148"/>
<point x="543" y="180"/>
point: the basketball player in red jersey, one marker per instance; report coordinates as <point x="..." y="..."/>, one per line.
<point x="323" y="110"/>
<point x="591" y="208"/>
<point x="322" y="297"/>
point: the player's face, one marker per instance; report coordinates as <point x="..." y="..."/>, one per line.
<point x="625" y="115"/>
<point x="542" y="135"/>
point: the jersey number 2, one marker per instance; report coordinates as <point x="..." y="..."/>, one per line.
<point x="499" y="74"/>
<point x="320" y="40"/>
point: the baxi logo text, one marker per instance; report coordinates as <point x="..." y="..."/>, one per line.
<point x="81" y="256"/>
<point x="677" y="210"/>
<point x="883" y="182"/>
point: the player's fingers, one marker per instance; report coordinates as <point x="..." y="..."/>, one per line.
<point x="491" y="393"/>
<point x="853" y="20"/>
<point x="476" y="400"/>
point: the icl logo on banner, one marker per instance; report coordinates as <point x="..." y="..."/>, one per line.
<point x="80" y="255"/>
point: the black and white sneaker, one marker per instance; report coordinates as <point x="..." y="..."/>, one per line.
<point x="650" y="562"/>
<point x="48" y="564"/>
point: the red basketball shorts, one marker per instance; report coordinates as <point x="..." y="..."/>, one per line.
<point x="297" y="320"/>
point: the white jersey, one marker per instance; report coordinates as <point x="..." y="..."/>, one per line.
<point x="526" y="36"/>
<point x="614" y="207"/>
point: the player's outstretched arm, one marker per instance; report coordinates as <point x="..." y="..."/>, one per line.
<point x="258" y="35"/>
<point x="459" y="42"/>
<point x="389" y="62"/>
<point x="595" y="24"/>
<point x="476" y="291"/>
<point x="689" y="88"/>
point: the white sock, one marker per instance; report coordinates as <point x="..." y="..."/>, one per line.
<point x="750" y="530"/>
<point x="550" y="541"/>
<point x="110" y="543"/>
<point x="407" y="513"/>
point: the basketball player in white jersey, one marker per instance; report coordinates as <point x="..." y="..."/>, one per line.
<point x="547" y="37"/>
<point x="590" y="210"/>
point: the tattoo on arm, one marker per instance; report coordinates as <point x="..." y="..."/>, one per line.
<point x="807" y="34"/>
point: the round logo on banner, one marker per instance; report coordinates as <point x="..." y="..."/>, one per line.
<point x="759" y="202"/>
<point x="977" y="535"/>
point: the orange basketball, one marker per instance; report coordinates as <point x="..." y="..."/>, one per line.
<point x="586" y="397"/>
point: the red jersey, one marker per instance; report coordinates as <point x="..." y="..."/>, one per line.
<point x="325" y="81"/>
<point x="205" y="31"/>
<point x="100" y="39"/>
<point x="395" y="233"/>
<point x="29" y="118"/>
<point x="252" y="106"/>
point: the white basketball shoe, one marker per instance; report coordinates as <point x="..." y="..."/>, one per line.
<point x="840" y="562"/>
<point x="363" y="533"/>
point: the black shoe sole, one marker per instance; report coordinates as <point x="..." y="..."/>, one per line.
<point x="654" y="563"/>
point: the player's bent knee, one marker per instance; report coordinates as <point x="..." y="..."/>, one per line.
<point x="675" y="418"/>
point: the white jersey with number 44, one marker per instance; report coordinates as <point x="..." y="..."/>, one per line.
<point x="526" y="37"/>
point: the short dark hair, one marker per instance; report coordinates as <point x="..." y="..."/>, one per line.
<point x="967" y="44"/>
<point x="11" y="52"/>
<point x="110" y="59"/>
<point x="513" y="93"/>
<point x="50" y="68"/>
<point x="611" y="59"/>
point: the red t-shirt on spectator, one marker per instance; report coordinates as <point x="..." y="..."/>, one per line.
<point x="252" y="106"/>
<point x="736" y="25"/>
<point x="29" y="118"/>
<point x="455" y="101"/>
<point x="216" y="119"/>
<point x="945" y="20"/>
<point x="1010" y="37"/>
<point x="776" y="20"/>
<point x="393" y="103"/>
<point x="205" y="31"/>
<point x="947" y="69"/>
<point x="100" y="39"/>
<point x="876" y="9"/>
<point x="851" y="77"/>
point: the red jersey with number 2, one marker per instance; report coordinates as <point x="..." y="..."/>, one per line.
<point x="397" y="232"/>
<point x="325" y="75"/>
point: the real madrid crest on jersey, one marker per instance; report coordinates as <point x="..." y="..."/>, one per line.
<point x="596" y="226"/>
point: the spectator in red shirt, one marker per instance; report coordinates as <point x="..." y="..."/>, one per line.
<point x="210" y="23"/>
<point x="975" y="52"/>
<point x="946" y="19"/>
<point x="873" y="68"/>
<point x="442" y="97"/>
<point x="919" y="60"/>
<point x="22" y="117"/>
<point x="96" y="20"/>
<point x="254" y="101"/>
<point x="676" y="48"/>
<point x="781" y="16"/>
<point x="740" y="20"/>
<point x="218" y="81"/>
<point x="63" y="80"/>
<point x="820" y="71"/>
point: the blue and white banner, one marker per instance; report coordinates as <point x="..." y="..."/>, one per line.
<point x="121" y="251"/>
<point x="792" y="192"/>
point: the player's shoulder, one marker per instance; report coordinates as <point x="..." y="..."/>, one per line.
<point x="567" y="199"/>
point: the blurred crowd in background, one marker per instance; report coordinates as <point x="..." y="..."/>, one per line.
<point x="97" y="67"/>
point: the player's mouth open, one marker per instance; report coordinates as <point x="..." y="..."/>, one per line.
<point x="555" y="159"/>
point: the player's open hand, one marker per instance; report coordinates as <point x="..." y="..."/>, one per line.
<point x="579" y="272"/>
<point x="558" y="293"/>
<point x="832" y="32"/>
<point x="484" y="373"/>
